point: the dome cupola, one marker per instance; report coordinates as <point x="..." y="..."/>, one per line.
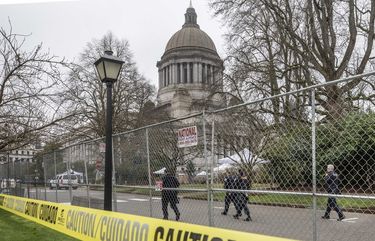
<point x="190" y="18"/>
<point x="190" y="36"/>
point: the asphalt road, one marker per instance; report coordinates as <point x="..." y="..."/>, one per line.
<point x="294" y="223"/>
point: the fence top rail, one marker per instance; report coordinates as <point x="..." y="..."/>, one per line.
<point x="296" y="91"/>
<point x="159" y="123"/>
<point x="134" y="130"/>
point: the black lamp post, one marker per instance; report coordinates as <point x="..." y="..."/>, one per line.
<point x="108" y="68"/>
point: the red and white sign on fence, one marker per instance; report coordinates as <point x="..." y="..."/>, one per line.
<point x="98" y="164"/>
<point x="158" y="185"/>
<point x="187" y="136"/>
<point x="101" y="147"/>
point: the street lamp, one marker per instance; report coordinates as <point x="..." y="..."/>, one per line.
<point x="108" y="68"/>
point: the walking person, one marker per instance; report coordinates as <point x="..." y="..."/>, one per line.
<point x="241" y="201"/>
<point x="229" y="182"/>
<point x="170" y="196"/>
<point x="332" y="185"/>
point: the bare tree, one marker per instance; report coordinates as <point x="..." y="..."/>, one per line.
<point x="130" y="92"/>
<point x="242" y="136"/>
<point x="31" y="91"/>
<point x="164" y="149"/>
<point x="279" y="46"/>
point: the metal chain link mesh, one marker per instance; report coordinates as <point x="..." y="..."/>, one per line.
<point x="258" y="167"/>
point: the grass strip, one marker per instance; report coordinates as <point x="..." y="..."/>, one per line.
<point x="267" y="199"/>
<point x="16" y="228"/>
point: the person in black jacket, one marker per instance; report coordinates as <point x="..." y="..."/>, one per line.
<point x="229" y="182"/>
<point x="170" y="196"/>
<point x="242" y="183"/>
<point x="332" y="185"/>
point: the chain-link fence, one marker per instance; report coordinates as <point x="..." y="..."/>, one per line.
<point x="256" y="167"/>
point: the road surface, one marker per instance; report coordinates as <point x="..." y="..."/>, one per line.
<point x="294" y="223"/>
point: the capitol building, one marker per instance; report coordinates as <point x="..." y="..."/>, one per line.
<point x="190" y="72"/>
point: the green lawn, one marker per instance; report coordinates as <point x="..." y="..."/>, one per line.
<point x="268" y="199"/>
<point x="15" y="228"/>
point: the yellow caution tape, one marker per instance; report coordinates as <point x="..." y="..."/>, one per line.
<point x="93" y="224"/>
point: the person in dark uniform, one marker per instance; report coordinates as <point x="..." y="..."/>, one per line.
<point x="229" y="182"/>
<point x="170" y="196"/>
<point x="242" y="183"/>
<point x="332" y="186"/>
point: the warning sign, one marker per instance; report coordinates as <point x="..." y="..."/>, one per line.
<point x="158" y="185"/>
<point x="98" y="164"/>
<point x="101" y="147"/>
<point x="187" y="136"/>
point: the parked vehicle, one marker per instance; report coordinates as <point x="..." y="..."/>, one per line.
<point x="62" y="181"/>
<point x="5" y="182"/>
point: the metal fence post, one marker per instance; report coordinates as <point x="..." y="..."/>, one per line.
<point x="149" y="171"/>
<point x="87" y="177"/>
<point x="212" y="172"/>
<point x="313" y="152"/>
<point x="54" y="161"/>
<point x="69" y="164"/>
<point x="8" y="173"/>
<point x="45" y="179"/>
<point x="206" y="164"/>
<point x="28" y="183"/>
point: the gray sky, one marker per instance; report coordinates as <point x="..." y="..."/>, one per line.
<point x="66" y="26"/>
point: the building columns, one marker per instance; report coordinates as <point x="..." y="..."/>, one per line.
<point x="199" y="72"/>
<point x="164" y="77"/>
<point x="195" y="72"/>
<point x="188" y="72"/>
<point x="181" y="73"/>
<point x="175" y="73"/>
<point x="207" y="74"/>
<point x="161" y="78"/>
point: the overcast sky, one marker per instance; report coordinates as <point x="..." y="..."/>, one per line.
<point x="65" y="27"/>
